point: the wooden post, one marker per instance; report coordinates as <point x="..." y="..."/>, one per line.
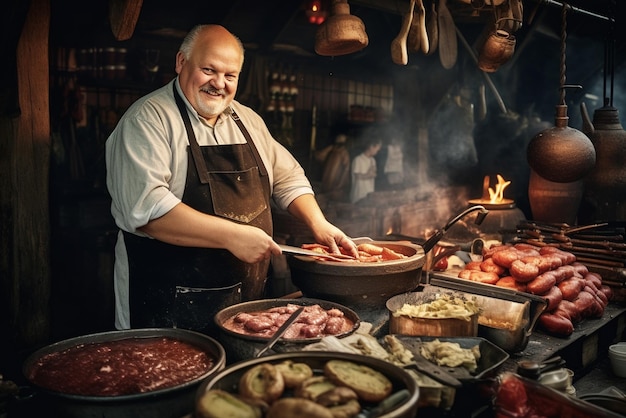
<point x="24" y="210"/>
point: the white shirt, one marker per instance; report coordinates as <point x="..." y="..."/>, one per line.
<point x="361" y="164"/>
<point x="146" y="160"/>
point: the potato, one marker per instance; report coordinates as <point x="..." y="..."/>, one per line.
<point x="369" y="384"/>
<point x="297" y="408"/>
<point x="263" y="382"/>
<point x="294" y="373"/>
<point x="217" y="403"/>
<point x="313" y="387"/>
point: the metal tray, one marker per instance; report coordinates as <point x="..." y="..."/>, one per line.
<point x="491" y="356"/>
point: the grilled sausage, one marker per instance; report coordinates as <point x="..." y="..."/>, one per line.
<point x="571" y="287"/>
<point x="553" y="297"/>
<point x="541" y="284"/>
<point x="523" y="272"/>
<point x="556" y="324"/>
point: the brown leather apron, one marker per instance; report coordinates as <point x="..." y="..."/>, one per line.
<point x="184" y="287"/>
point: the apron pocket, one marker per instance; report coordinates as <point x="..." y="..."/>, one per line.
<point x="195" y="307"/>
<point x="237" y="195"/>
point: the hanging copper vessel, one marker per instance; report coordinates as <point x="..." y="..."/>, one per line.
<point x="605" y="186"/>
<point x="561" y="154"/>
<point x="341" y="33"/>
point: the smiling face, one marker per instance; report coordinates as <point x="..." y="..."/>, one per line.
<point x="209" y="72"/>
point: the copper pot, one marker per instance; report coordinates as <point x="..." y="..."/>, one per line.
<point x="497" y="50"/>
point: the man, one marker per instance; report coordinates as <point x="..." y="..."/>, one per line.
<point x="364" y="170"/>
<point x="191" y="172"/>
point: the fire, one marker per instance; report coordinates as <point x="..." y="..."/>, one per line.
<point x="497" y="195"/>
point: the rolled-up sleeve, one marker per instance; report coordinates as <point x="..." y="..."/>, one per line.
<point x="140" y="163"/>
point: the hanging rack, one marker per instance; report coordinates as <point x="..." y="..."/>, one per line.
<point x="575" y="9"/>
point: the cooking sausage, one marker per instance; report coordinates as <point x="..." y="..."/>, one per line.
<point x="580" y="268"/>
<point x="371" y="249"/>
<point x="541" y="284"/>
<point x="594" y="278"/>
<point x="522" y="246"/>
<point x="465" y="274"/>
<point x="571" y="287"/>
<point x="584" y="303"/>
<point x="596" y="310"/>
<point x="506" y="257"/>
<point x="334" y="325"/>
<point x="553" y="298"/>
<point x="473" y="265"/>
<point x="523" y="272"/>
<point x="510" y="283"/>
<point x="565" y="256"/>
<point x="311" y="330"/>
<point x="543" y="263"/>
<point x="258" y="323"/>
<point x="568" y="309"/>
<point x="605" y="301"/>
<point x="556" y="324"/>
<point x="564" y="273"/>
<point x="488" y="252"/>
<point x="555" y="261"/>
<point x="608" y="291"/>
<point x="487" y="277"/>
<point x="489" y="265"/>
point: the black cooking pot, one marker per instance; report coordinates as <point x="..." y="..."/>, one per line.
<point x="173" y="402"/>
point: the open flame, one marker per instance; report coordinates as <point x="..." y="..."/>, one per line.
<point x="494" y="196"/>
<point x="497" y="195"/>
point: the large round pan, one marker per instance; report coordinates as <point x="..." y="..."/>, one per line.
<point x="172" y="402"/>
<point x="228" y="379"/>
<point x="243" y="347"/>
<point x="359" y="284"/>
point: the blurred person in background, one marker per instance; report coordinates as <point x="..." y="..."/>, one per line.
<point x="364" y="170"/>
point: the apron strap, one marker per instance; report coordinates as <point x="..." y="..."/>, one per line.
<point x="203" y="173"/>
<point x="246" y="134"/>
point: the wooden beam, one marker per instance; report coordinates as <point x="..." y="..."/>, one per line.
<point x="123" y="16"/>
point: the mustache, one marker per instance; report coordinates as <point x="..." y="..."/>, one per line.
<point x="212" y="90"/>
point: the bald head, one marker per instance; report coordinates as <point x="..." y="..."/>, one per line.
<point x="209" y="33"/>
<point x="208" y="64"/>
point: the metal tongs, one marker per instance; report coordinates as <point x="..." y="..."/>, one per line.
<point x="280" y="332"/>
<point x="301" y="251"/>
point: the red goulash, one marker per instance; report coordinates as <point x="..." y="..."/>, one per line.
<point x="122" y="367"/>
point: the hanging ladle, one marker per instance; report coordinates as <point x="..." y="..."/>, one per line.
<point x="533" y="369"/>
